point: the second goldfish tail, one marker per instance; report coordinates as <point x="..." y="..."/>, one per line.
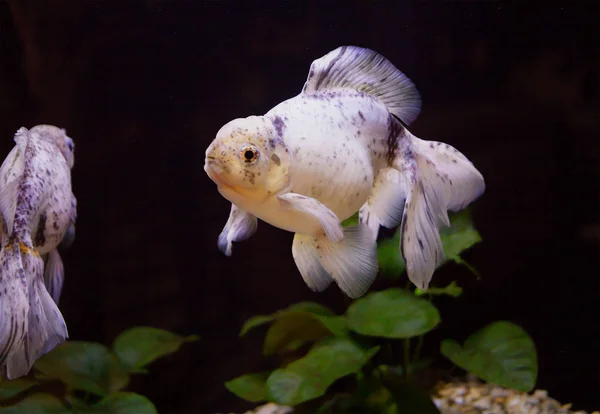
<point x="440" y="179"/>
<point x="14" y="305"/>
<point x="41" y="325"/>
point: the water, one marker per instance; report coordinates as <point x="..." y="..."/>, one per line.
<point x="143" y="87"/>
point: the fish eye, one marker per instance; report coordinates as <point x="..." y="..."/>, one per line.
<point x="249" y="154"/>
<point x="70" y="145"/>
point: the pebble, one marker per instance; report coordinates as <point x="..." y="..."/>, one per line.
<point x="475" y="397"/>
<point x="471" y="396"/>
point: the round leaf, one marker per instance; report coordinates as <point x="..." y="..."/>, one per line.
<point x="139" y="346"/>
<point x="299" y="326"/>
<point x="451" y="290"/>
<point x="41" y="403"/>
<point x="501" y="353"/>
<point x="84" y="366"/>
<point x="409" y="398"/>
<point x="250" y="387"/>
<point x="301" y="322"/>
<point x="460" y="236"/>
<point x="309" y="377"/>
<point x="255" y="322"/>
<point x="390" y="260"/>
<point x="124" y="403"/>
<point x="9" y="389"/>
<point x="392" y="313"/>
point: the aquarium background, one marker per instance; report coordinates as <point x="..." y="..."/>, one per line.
<point x="143" y="86"/>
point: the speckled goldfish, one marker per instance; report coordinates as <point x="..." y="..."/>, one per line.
<point x="38" y="213"/>
<point x="342" y="146"/>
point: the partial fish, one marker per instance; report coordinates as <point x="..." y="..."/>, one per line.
<point x="38" y="211"/>
<point x="342" y="146"/>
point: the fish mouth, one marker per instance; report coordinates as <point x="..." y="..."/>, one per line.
<point x="212" y="168"/>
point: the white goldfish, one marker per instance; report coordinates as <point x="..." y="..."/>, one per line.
<point x="38" y="213"/>
<point x="339" y="147"/>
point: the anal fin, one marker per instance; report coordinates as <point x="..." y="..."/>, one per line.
<point x="307" y="261"/>
<point x="352" y="262"/>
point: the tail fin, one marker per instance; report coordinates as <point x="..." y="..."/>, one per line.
<point x="14" y="304"/>
<point x="43" y="324"/>
<point x="444" y="179"/>
<point x="351" y="262"/>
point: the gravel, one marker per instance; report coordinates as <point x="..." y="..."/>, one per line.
<point x="474" y="397"/>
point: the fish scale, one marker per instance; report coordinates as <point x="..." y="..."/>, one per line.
<point x="342" y="146"/>
<point x="37" y="209"/>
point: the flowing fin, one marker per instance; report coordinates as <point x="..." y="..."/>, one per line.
<point x="307" y="261"/>
<point x="329" y="221"/>
<point x="8" y="203"/>
<point x="12" y="170"/>
<point x="385" y="204"/>
<point x="239" y="227"/>
<point x="365" y="70"/>
<point x="54" y="275"/>
<point x="45" y="327"/>
<point x="444" y="179"/>
<point x="352" y="262"/>
<point x="14" y="305"/>
<point x="69" y="236"/>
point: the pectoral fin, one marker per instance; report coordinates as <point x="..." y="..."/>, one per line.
<point x="54" y="275"/>
<point x="329" y="221"/>
<point x="69" y="236"/>
<point x="239" y="227"/>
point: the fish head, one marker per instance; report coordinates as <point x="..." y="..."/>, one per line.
<point x="59" y="137"/>
<point x="249" y="157"/>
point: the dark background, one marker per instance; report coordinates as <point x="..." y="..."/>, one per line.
<point x="143" y="86"/>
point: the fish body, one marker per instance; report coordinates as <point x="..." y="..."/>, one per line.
<point x="342" y="146"/>
<point x="38" y="209"/>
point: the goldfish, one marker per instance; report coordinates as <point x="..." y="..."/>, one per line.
<point x="38" y="213"/>
<point x="339" y="147"/>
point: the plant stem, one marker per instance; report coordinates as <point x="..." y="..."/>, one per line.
<point x="471" y="268"/>
<point x="417" y="353"/>
<point x="406" y="358"/>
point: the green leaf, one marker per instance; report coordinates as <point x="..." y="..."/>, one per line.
<point x="40" y="403"/>
<point x="84" y="366"/>
<point x="451" y="290"/>
<point x="460" y="236"/>
<point x="501" y="353"/>
<point x="409" y="398"/>
<point x="141" y="345"/>
<point x="255" y="322"/>
<point x="124" y="403"/>
<point x="457" y="238"/>
<point x="9" y="389"/>
<point x="309" y="377"/>
<point x="392" y="313"/>
<point x="259" y="320"/>
<point x="351" y="221"/>
<point x="390" y="259"/>
<point x="301" y="322"/>
<point x="78" y="405"/>
<point x="250" y="387"/>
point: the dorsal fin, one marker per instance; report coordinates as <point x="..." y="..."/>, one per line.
<point x="12" y="170"/>
<point x="365" y="70"/>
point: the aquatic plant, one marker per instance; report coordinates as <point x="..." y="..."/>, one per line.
<point x="352" y="350"/>
<point x="88" y="377"/>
